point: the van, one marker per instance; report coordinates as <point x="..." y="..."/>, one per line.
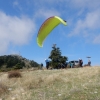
<point x="75" y="62"/>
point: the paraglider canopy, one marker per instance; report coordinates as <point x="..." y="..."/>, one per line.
<point x="47" y="27"/>
<point x="88" y="57"/>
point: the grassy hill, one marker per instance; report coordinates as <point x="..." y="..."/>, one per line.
<point x="63" y="84"/>
<point x="9" y="62"/>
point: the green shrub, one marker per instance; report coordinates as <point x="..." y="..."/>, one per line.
<point x="18" y="66"/>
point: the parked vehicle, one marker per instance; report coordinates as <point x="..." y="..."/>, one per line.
<point x="74" y="62"/>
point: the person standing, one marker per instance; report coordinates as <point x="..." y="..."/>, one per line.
<point x="47" y="63"/>
<point x="41" y="65"/>
<point x="89" y="63"/>
<point x="72" y="65"/>
<point x="81" y="63"/>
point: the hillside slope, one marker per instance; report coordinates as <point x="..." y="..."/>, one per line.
<point x="16" y="62"/>
<point x="65" y="84"/>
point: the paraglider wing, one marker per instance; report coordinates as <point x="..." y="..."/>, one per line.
<point x="47" y="27"/>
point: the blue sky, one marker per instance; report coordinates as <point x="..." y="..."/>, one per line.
<point x="20" y="21"/>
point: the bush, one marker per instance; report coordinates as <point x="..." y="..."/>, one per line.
<point x="3" y="89"/>
<point x="14" y="74"/>
<point x="18" y="66"/>
<point x="5" y="69"/>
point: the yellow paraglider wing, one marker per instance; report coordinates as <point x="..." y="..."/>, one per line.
<point x="47" y="27"/>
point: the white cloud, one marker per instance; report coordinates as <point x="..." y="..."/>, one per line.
<point x="86" y="4"/>
<point x="15" y="3"/>
<point x="92" y="20"/>
<point x="46" y="13"/>
<point x="96" y="39"/>
<point x="90" y="23"/>
<point x="14" y="30"/>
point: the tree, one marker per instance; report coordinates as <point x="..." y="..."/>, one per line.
<point x="18" y="66"/>
<point x="15" y="62"/>
<point x="57" y="60"/>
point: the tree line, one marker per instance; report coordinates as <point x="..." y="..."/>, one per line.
<point x="8" y="62"/>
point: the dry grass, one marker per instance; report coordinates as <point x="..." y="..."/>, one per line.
<point x="3" y="89"/>
<point x="66" y="84"/>
<point x="14" y="74"/>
